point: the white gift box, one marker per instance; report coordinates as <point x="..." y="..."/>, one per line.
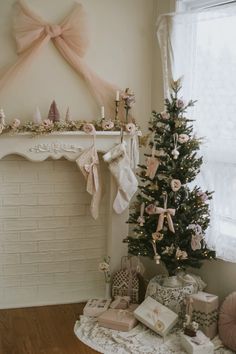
<point x="156" y="316"/>
<point x="96" y="307"/>
<point x="197" y="345"/>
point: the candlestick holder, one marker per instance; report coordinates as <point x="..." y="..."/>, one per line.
<point x="117" y="102"/>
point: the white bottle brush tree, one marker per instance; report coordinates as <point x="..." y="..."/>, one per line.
<point x="169" y="217"/>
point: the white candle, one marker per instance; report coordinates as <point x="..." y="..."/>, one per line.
<point x="117" y="95"/>
<point x="103" y="112"/>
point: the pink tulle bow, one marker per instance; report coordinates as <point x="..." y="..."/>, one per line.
<point x="70" y="37"/>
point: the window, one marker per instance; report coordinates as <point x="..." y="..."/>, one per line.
<point x="202" y="47"/>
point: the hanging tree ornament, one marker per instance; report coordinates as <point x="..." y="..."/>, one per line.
<point x="165" y="212"/>
<point x="141" y="219"/>
<point x="175" y="152"/>
<point x="152" y="164"/>
<point x="156" y="257"/>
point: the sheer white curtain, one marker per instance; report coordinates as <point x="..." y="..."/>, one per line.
<point x="201" y="46"/>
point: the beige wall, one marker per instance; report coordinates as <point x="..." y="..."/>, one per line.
<point x="120" y="51"/>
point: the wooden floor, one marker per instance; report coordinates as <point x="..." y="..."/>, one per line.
<point x="41" y="330"/>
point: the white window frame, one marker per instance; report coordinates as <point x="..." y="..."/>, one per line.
<point x="194" y="5"/>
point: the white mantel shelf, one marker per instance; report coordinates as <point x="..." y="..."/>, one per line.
<point x="57" y="144"/>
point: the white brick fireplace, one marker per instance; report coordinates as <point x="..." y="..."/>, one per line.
<point x="50" y="246"/>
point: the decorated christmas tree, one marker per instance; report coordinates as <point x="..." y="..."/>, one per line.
<point x="171" y="214"/>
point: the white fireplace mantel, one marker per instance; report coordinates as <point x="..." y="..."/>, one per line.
<point x="70" y="145"/>
<point x="57" y="144"/>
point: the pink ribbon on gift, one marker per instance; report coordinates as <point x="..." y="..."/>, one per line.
<point x="70" y="38"/>
<point x="165" y="212"/>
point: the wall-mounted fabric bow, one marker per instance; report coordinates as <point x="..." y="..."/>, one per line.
<point x="69" y="37"/>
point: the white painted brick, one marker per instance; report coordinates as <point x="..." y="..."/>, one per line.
<point x="78" y="254"/>
<point x="20" y="200"/>
<point x="71" y="187"/>
<point x="9" y="236"/>
<point x="76" y="276"/>
<point x="53" y="222"/>
<point x="29" y="166"/>
<point x="15" y="295"/>
<point x="19" y="224"/>
<point x="9" y="258"/>
<point x="20" y="247"/>
<point x="36" y="211"/>
<point x="69" y="210"/>
<point x="9" y="166"/>
<point x="71" y="244"/>
<point x="83" y="266"/>
<point x="9" y="189"/>
<point x="36" y="257"/>
<point x="63" y="165"/>
<point x="61" y="199"/>
<point x="35" y="279"/>
<point x="10" y="269"/>
<point x="36" y="188"/>
<point x="9" y="212"/>
<point x="87" y="220"/>
<point x="20" y="177"/>
<point x="60" y="177"/>
<point x="50" y="246"/>
<point x="36" y="235"/>
<point x="9" y="280"/>
<point x="55" y="267"/>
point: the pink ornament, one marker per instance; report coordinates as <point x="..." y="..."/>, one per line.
<point x="175" y="185"/>
<point x="196" y="242"/>
<point x="180" y="103"/>
<point x="183" y="138"/>
<point x="165" y="115"/>
<point x="15" y="124"/>
<point x="130" y="128"/>
<point x="47" y="123"/>
<point x="202" y="195"/>
<point x="151" y="209"/>
<point x="107" y="124"/>
<point x="89" y="128"/>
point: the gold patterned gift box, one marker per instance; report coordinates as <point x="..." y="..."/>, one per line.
<point x="205" y="312"/>
<point x="156" y="316"/>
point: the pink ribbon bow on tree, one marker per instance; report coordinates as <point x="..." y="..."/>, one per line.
<point x="165" y="212"/>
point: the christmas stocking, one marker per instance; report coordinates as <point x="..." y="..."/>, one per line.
<point x="88" y="163"/>
<point x="119" y="165"/>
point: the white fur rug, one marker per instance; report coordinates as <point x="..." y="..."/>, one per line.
<point x="139" y="340"/>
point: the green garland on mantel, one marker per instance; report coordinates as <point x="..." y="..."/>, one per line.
<point x="48" y="127"/>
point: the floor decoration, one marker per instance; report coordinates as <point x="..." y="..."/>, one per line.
<point x="140" y="340"/>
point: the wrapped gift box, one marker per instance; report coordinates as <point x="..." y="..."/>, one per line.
<point x="156" y="316"/>
<point x="96" y="307"/>
<point x="197" y="345"/>
<point x="205" y="312"/>
<point x="120" y="320"/>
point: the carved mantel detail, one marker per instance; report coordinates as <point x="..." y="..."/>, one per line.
<point x="55" y="148"/>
